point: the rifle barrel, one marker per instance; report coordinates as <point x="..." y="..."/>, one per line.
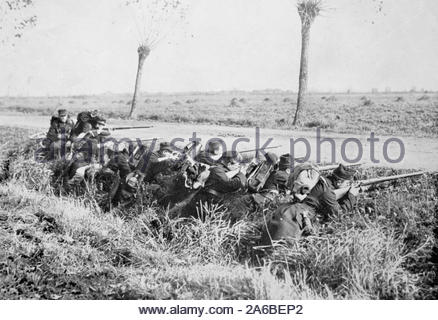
<point x="252" y="150"/>
<point x="131" y="127"/>
<point x="391" y="178"/>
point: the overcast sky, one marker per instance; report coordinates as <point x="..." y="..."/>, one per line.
<point x="89" y="46"/>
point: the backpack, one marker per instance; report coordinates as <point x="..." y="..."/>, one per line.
<point x="288" y="221"/>
<point x="258" y="174"/>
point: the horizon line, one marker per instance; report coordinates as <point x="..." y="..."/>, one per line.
<point x="215" y="92"/>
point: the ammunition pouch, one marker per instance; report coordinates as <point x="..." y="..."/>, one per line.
<point x="289" y="221"/>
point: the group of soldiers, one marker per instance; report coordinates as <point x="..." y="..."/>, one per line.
<point x="184" y="181"/>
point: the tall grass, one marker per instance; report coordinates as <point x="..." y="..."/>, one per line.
<point x="62" y="246"/>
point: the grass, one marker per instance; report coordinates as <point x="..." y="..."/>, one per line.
<point x="405" y="114"/>
<point x="65" y="247"/>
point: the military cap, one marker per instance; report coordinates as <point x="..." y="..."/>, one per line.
<point x="343" y="172"/>
<point x="284" y="162"/>
<point x="165" y="146"/>
<point x="62" y="112"/>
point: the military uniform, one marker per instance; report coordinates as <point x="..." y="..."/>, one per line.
<point x="278" y="180"/>
<point x="323" y="199"/>
<point x="59" y="132"/>
<point x="119" y="165"/>
<point x="88" y="126"/>
<point x="206" y="158"/>
<point x="218" y="185"/>
<point x="294" y="220"/>
<point x="59" y="129"/>
<point x="79" y="166"/>
<point x="87" y="122"/>
<point x="211" y="155"/>
<point x="119" y="162"/>
<point x="152" y="165"/>
<point x="218" y="182"/>
<point x="288" y="221"/>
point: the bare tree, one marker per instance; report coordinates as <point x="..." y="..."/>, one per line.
<point x="154" y="20"/>
<point x="308" y="11"/>
<point x="15" y="17"/>
<point x="143" y="52"/>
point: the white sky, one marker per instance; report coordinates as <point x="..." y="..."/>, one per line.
<point x="89" y="46"/>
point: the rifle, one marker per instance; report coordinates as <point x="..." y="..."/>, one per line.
<point x="42" y="135"/>
<point x="151" y="139"/>
<point x="365" y="184"/>
<point x="126" y="128"/>
<point x="252" y="150"/>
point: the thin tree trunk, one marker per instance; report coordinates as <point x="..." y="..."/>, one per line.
<point x="302" y="89"/>
<point x="143" y="53"/>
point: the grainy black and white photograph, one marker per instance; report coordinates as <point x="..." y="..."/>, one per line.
<point x="219" y="150"/>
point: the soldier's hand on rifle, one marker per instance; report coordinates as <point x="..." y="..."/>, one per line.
<point x="354" y="191"/>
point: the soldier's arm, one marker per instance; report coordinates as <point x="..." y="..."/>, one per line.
<point x="146" y="160"/>
<point x="280" y="180"/>
<point x="270" y="183"/>
<point x="69" y="128"/>
<point x="52" y="134"/>
<point x="124" y="168"/>
<point x="347" y="202"/>
<point x="86" y="132"/>
<point x="330" y="205"/>
<point x="226" y="184"/>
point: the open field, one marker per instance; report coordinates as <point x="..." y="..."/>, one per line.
<point x="67" y="248"/>
<point x="404" y="114"/>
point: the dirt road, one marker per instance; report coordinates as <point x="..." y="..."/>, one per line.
<point x="396" y="152"/>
